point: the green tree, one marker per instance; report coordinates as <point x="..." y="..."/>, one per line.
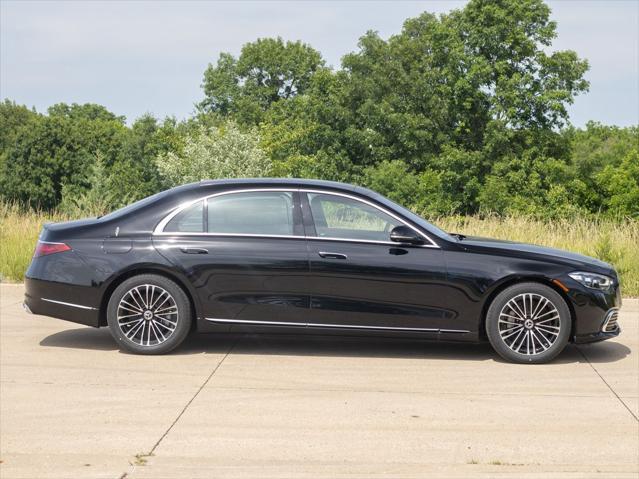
<point x="267" y="70"/>
<point x="620" y="186"/>
<point x="224" y="152"/>
<point x="134" y="174"/>
<point x="44" y="157"/>
<point x="454" y="95"/>
<point x="48" y="152"/>
<point x="95" y="200"/>
<point x="13" y="117"/>
<point x="87" y="112"/>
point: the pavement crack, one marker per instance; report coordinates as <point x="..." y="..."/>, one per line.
<point x="229" y="351"/>
<point x="141" y="458"/>
<point x="606" y="383"/>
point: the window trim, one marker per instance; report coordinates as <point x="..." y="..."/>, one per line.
<point x="204" y="217"/>
<point x="159" y="229"/>
<point x="377" y="207"/>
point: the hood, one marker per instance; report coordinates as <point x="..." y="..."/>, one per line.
<point x="512" y="248"/>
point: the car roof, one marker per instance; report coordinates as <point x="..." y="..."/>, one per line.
<point x="293" y="182"/>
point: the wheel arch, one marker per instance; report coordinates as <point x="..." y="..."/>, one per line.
<point x="148" y="269"/>
<point x="506" y="283"/>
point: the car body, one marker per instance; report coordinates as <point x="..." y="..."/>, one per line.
<point x="312" y="256"/>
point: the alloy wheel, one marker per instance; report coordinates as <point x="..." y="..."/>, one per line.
<point x="147" y="315"/>
<point x="529" y="324"/>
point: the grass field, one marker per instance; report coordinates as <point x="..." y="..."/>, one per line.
<point x="611" y="241"/>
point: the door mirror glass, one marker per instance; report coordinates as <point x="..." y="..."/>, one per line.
<point x="404" y="234"/>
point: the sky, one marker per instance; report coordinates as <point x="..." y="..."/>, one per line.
<point x="137" y="57"/>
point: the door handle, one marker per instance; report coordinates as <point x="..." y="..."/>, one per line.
<point x="329" y="255"/>
<point x="194" y="250"/>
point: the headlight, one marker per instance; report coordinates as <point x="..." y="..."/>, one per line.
<point x="592" y="280"/>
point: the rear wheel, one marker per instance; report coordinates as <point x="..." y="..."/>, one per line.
<point x="149" y="314"/>
<point x="528" y="323"/>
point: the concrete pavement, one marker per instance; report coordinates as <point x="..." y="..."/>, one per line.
<point x="72" y="405"/>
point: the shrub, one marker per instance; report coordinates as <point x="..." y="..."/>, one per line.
<point x="219" y="152"/>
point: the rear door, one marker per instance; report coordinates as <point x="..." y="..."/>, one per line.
<point x="246" y="255"/>
<point x="362" y="280"/>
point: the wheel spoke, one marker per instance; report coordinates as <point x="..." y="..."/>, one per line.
<point x="554" y="318"/>
<point x="135" y="300"/>
<point x="540" y="307"/>
<point x="541" y="328"/>
<point x="130" y="306"/>
<point x="510" y="323"/>
<point x="511" y="317"/>
<point x="552" y="311"/>
<point x="541" y="340"/>
<point x="170" y="310"/>
<point x="157" y="299"/>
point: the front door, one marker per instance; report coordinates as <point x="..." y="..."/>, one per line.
<point x="245" y="254"/>
<point x="362" y="280"/>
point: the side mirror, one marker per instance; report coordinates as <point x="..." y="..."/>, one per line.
<point x="404" y="234"/>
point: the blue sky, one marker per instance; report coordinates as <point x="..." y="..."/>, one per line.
<point x="143" y="56"/>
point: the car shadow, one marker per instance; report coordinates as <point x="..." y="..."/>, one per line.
<point x="337" y="346"/>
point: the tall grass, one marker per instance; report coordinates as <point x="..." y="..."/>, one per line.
<point x="616" y="242"/>
<point x="19" y="230"/>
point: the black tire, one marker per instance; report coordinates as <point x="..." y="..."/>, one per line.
<point x="160" y="323"/>
<point x="555" y="333"/>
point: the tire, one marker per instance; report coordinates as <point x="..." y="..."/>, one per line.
<point x="149" y="314"/>
<point x="528" y="323"/>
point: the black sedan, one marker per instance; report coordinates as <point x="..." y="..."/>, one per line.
<point x="312" y="256"/>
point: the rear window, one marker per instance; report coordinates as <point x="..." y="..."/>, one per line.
<point x="258" y="212"/>
<point x="189" y="220"/>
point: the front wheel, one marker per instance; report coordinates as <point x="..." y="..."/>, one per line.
<point x="528" y="323"/>
<point x="149" y="314"/>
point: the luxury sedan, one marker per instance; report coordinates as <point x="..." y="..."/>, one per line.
<point x="311" y="256"/>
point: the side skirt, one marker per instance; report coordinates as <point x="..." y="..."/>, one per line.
<point x="268" y="327"/>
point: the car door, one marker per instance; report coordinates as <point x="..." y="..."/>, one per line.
<point x="360" y="279"/>
<point x="245" y="253"/>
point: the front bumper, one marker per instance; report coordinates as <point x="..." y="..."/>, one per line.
<point x="595" y="337"/>
<point x="595" y="312"/>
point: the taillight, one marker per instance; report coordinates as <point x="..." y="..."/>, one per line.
<point x="43" y="248"/>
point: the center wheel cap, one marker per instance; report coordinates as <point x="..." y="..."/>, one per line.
<point x="528" y="324"/>
<point x="148" y="315"/>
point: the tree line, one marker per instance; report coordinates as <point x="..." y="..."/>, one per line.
<point x="461" y="113"/>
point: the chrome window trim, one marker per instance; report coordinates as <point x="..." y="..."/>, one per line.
<point x="159" y="229"/>
<point x="73" y="305"/>
<point x="377" y="207"/>
<point x="330" y="325"/>
<point x="230" y="235"/>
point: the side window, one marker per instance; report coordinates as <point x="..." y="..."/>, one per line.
<point x="346" y="218"/>
<point x="257" y="212"/>
<point x="190" y="220"/>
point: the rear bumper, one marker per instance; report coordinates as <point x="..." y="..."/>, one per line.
<point x="63" y="301"/>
